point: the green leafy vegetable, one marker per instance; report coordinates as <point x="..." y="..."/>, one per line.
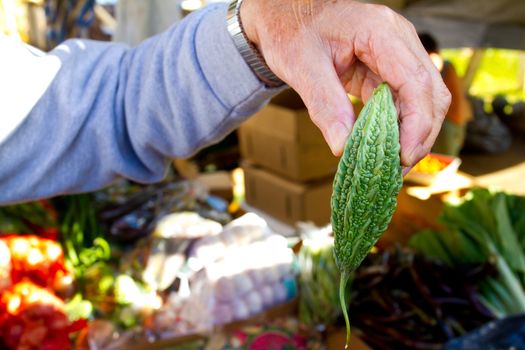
<point x="485" y="227"/>
<point x="318" y="301"/>
<point x="78" y="308"/>
<point x="81" y="235"/>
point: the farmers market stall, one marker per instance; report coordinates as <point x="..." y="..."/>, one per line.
<point x="175" y="268"/>
<point x="244" y="258"/>
<point x="187" y="264"/>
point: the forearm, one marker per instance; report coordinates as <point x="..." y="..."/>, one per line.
<point x="113" y="111"/>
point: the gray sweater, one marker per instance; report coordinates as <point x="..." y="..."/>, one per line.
<point x="110" y="111"/>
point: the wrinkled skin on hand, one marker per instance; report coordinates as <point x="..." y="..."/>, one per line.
<point x="325" y="49"/>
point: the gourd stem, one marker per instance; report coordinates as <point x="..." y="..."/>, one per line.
<point x="342" y="289"/>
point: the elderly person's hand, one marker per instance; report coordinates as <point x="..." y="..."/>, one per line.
<point x="326" y="48"/>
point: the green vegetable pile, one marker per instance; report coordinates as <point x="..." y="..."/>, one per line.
<point x="366" y="185"/>
<point x="318" y="300"/>
<point x="485" y="227"/>
<point x="81" y="235"/>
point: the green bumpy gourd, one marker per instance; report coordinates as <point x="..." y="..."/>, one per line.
<point x="366" y="185"/>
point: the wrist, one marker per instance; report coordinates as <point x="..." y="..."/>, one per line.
<point x="247" y="48"/>
<point x="246" y="12"/>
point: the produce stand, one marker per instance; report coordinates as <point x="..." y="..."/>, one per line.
<point x="243" y="259"/>
<point x="419" y="207"/>
<point x="312" y="313"/>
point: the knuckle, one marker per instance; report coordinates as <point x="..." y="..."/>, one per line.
<point x="323" y="116"/>
<point x="411" y="27"/>
<point x="317" y="111"/>
<point x="447" y="99"/>
<point x="385" y="11"/>
<point x="381" y="13"/>
<point x="444" y="99"/>
<point x="423" y="76"/>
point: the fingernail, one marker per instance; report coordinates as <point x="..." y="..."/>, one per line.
<point x="337" y="135"/>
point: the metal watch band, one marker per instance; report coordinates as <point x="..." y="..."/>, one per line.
<point x="248" y="51"/>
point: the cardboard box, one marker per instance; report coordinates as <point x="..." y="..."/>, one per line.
<point x="285" y="200"/>
<point x="282" y="138"/>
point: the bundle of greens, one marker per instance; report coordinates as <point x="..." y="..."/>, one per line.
<point x="102" y="290"/>
<point x="318" y="299"/>
<point x="485" y="227"/>
<point x="81" y="234"/>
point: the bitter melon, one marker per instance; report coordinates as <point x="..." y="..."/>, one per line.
<point x="366" y="185"/>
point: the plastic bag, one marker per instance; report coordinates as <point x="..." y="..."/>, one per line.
<point x="505" y="334"/>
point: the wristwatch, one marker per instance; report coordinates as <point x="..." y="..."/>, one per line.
<point x="247" y="49"/>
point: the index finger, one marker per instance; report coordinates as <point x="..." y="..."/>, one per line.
<point x="413" y="82"/>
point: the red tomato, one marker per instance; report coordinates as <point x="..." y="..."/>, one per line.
<point x="35" y="258"/>
<point x="33" y="318"/>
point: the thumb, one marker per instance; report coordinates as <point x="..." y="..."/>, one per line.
<point x="327" y="103"/>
